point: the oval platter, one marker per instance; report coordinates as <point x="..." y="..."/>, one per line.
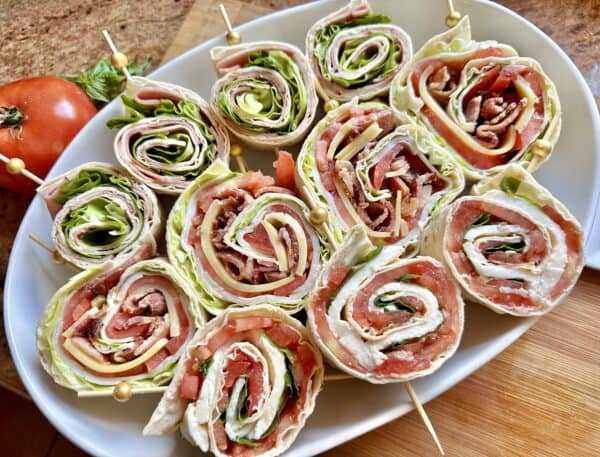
<point x="103" y="427"/>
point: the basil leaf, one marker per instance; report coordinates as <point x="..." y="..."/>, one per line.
<point x="482" y="219"/>
<point x="104" y="81"/>
<point x="247" y="442"/>
<point x="370" y="256"/>
<point x="205" y="366"/>
<point x="242" y="406"/>
<point x="393" y="305"/>
<point x="510" y="185"/>
<point x="408" y="277"/>
<point x="515" y="247"/>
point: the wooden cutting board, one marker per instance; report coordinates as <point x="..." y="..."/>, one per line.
<point x="540" y="397"/>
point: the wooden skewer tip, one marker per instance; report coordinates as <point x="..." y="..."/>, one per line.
<point x="232" y="36"/>
<point x="15" y="166"/>
<point x="421" y="411"/>
<point x="118" y="59"/>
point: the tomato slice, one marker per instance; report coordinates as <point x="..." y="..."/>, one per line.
<point x="284" y="170"/>
<point x="190" y="387"/>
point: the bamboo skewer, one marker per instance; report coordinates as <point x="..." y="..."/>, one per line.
<point x="232" y="36"/>
<point x="59" y="259"/>
<point x="419" y="407"/>
<point x="453" y="15"/>
<point x="118" y="59"/>
<point x="414" y="399"/>
<point x="121" y="393"/>
<point x="16" y="166"/>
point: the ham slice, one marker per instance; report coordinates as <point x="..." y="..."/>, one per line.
<point x="371" y="171"/>
<point x="488" y="104"/>
<point x="249" y="240"/>
<point x="283" y="127"/>
<point x="365" y="82"/>
<point x="137" y="201"/>
<point x="138" y="146"/>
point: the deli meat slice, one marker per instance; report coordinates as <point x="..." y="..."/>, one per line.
<point x="245" y="386"/>
<point x="366" y="169"/>
<point x="121" y="322"/>
<point x="382" y="318"/>
<point x="489" y="105"/>
<point x="169" y="136"/>
<point x="241" y="239"/>
<point x="511" y="245"/>
<point x="355" y="52"/>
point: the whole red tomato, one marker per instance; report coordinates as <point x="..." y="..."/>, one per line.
<point x="38" y="118"/>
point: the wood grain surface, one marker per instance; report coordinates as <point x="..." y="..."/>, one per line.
<point x="540" y="397"/>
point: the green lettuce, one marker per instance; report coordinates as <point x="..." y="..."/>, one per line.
<point x="111" y="223"/>
<point x="325" y="37"/>
<point x="173" y="154"/>
<point x="263" y="100"/>
<point x="179" y="257"/>
<point x="90" y="178"/>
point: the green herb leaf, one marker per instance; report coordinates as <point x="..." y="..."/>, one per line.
<point x="482" y="219"/>
<point x="510" y="185"/>
<point x="247" y="442"/>
<point x="370" y="256"/>
<point x="205" y="366"/>
<point x="517" y="246"/>
<point x="393" y="305"/>
<point x="408" y="277"/>
<point x="103" y="81"/>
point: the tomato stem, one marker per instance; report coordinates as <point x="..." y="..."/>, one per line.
<point x="10" y="116"/>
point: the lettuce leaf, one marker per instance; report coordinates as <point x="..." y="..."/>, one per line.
<point x="263" y="100"/>
<point x="325" y="37"/>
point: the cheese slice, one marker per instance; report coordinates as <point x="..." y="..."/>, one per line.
<point x="359" y="143"/>
<point x="109" y="368"/>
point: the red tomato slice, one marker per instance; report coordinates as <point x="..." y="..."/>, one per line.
<point x="283" y="336"/>
<point x="190" y="387"/>
<point x="284" y="170"/>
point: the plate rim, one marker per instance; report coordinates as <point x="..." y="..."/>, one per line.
<point x="373" y="422"/>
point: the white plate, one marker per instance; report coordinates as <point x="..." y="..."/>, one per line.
<point x="104" y="427"/>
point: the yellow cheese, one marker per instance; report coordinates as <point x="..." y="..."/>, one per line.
<point x="525" y="91"/>
<point x="359" y="143"/>
<point x="109" y="368"/>
<point x="293" y="224"/>
<point x="277" y="244"/>
<point x="211" y="255"/>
